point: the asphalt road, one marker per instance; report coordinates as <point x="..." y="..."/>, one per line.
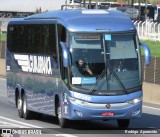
<point x="9" y="119"/>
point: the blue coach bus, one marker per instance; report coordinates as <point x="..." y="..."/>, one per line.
<point x="75" y="65"/>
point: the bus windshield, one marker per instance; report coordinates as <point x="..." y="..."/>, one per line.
<point x="105" y="63"/>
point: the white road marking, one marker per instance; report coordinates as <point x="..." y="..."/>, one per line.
<point x="25" y="124"/>
<point x="152" y="107"/>
<point x="65" y="135"/>
<point x="11" y="124"/>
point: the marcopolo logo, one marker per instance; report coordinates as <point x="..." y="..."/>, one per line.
<point x="34" y="63"/>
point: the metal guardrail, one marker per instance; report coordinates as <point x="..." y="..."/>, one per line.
<point x="148" y="29"/>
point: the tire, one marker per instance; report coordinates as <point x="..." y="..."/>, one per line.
<point x="123" y="123"/>
<point x="20" y="107"/>
<point x="62" y="121"/>
<point x="26" y="113"/>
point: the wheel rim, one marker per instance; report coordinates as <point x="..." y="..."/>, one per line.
<point x="59" y="114"/>
<point x="19" y="103"/>
<point x="24" y="106"/>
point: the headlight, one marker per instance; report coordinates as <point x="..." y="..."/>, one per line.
<point x="134" y="101"/>
<point x="76" y="101"/>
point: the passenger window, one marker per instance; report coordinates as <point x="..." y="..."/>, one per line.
<point x="34" y="39"/>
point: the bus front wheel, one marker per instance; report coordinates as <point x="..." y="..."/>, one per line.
<point x="62" y="121"/>
<point x="123" y="123"/>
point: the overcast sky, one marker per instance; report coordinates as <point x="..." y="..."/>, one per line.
<point x="30" y="5"/>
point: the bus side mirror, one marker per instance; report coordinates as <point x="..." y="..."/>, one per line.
<point x="147" y="54"/>
<point x="65" y="54"/>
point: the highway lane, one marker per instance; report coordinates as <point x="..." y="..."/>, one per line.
<point x="9" y="119"/>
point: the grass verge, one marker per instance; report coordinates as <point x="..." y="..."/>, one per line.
<point x="3" y="37"/>
<point x="154" y="47"/>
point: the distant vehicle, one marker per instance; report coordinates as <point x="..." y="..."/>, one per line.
<point x="151" y="9"/>
<point x="113" y="4"/>
<point x="105" y="5"/>
<point x="14" y="14"/>
<point x="20" y="8"/>
<point x="132" y="12"/>
<point x="50" y="57"/>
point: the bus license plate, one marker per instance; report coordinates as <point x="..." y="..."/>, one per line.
<point x="108" y="114"/>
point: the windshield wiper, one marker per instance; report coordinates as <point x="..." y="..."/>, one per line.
<point x="118" y="80"/>
<point x="111" y="73"/>
<point x="97" y="81"/>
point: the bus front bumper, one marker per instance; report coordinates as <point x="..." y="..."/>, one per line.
<point x="75" y="110"/>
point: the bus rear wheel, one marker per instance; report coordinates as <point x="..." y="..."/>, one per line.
<point x="62" y="121"/>
<point x="20" y="106"/>
<point x="123" y="123"/>
<point x="26" y="113"/>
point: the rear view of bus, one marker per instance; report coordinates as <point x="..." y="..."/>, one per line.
<point x="98" y="75"/>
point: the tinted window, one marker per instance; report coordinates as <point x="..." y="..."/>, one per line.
<point x="35" y="39"/>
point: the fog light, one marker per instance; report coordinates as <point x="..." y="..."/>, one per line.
<point x="78" y="113"/>
<point x="136" y="112"/>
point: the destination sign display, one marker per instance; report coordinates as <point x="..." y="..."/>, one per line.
<point x="87" y="37"/>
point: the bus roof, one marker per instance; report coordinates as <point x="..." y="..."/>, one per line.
<point x="85" y="20"/>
